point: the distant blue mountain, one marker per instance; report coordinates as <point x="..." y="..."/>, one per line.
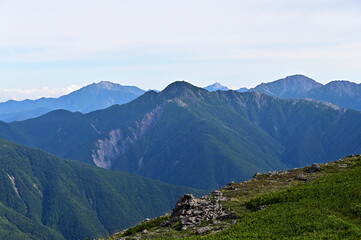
<point x="216" y="86"/>
<point x="89" y="98"/>
<point x="242" y="90"/>
<point x="296" y="86"/>
<point x="342" y="93"/>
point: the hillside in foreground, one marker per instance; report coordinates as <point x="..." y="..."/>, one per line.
<point x="322" y="201"/>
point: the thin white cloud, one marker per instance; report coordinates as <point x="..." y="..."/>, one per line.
<point x="151" y="43"/>
<point x="34" y="93"/>
<point x="66" y="30"/>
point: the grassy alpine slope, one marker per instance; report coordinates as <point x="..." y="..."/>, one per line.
<point x="45" y="197"/>
<point x="293" y="204"/>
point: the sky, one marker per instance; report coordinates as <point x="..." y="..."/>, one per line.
<point x="50" y="48"/>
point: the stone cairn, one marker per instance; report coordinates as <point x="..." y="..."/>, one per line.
<point x="190" y="211"/>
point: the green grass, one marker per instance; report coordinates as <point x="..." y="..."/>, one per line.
<point x="325" y="208"/>
<point x="146" y="226"/>
<point x="272" y="206"/>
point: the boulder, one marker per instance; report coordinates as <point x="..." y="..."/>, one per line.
<point x="190" y="211"/>
<point x="203" y="230"/>
<point x="314" y="168"/>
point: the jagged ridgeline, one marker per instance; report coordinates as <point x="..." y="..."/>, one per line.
<point x="188" y="136"/>
<point x="44" y="197"/>
<point x="342" y="93"/>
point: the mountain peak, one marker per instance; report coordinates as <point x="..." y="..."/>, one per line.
<point x="299" y="78"/>
<point x="106" y="84"/>
<point x="340" y="92"/>
<point x="294" y="78"/>
<point x="182" y="89"/>
<point x="293" y="86"/>
<point x="216" y="86"/>
<point x="179" y="86"/>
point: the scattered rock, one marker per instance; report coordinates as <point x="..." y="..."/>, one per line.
<point x="203" y="230"/>
<point x="145" y="231"/>
<point x="314" y="168"/>
<point x="233" y="222"/>
<point x="262" y="207"/>
<point x="216" y="193"/>
<point x="231" y="183"/>
<point x="273" y="173"/>
<point x="165" y="224"/>
<point x="216" y="222"/>
<point x="146" y="220"/>
<point x="301" y="177"/>
<point x="256" y="175"/>
<point x="190" y="211"/>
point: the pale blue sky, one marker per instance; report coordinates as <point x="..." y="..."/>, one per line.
<point x="48" y="48"/>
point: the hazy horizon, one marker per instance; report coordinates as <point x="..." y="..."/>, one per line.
<point x="52" y="48"/>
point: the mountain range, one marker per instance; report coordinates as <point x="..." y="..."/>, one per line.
<point x="104" y="94"/>
<point x="341" y="93"/>
<point x="185" y="135"/>
<point x="89" y="98"/>
<point x="45" y="197"/>
<point x="172" y="142"/>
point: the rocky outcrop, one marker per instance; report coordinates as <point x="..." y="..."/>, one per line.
<point x="12" y="179"/>
<point x="314" y="168"/>
<point x="190" y="211"/>
<point x="107" y="151"/>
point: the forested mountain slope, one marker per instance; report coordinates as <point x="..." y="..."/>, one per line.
<point x="44" y="197"/>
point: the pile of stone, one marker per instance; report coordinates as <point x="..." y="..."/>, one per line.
<point x="314" y="168"/>
<point x="190" y="211"/>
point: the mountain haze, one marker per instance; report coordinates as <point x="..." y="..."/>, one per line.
<point x="188" y="136"/>
<point x="89" y="98"/>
